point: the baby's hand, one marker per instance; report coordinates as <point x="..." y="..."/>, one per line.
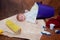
<point x="21" y="17"/>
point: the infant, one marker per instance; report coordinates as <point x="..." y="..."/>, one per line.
<point x="21" y="17"/>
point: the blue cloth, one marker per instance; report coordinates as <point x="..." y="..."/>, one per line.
<point x="58" y="32"/>
<point x="44" y="11"/>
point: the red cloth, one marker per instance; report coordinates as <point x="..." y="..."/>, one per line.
<point x="54" y="21"/>
<point x="58" y="18"/>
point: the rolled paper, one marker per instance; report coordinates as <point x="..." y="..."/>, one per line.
<point x="46" y="33"/>
<point x="52" y="26"/>
<point x="14" y="27"/>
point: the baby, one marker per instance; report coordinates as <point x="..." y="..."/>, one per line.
<point x="21" y="17"/>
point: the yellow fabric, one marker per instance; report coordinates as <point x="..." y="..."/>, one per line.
<point x="14" y="27"/>
<point x="1" y="31"/>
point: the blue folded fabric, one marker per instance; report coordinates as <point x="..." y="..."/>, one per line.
<point x="57" y="31"/>
<point x="44" y="11"/>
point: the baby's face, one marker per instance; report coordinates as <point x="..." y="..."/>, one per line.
<point x="21" y="17"/>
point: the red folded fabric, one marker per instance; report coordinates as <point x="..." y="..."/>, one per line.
<point x="53" y="21"/>
<point x="58" y="18"/>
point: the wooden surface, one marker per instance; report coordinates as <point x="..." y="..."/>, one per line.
<point x="3" y="37"/>
<point x="53" y="36"/>
<point x="12" y="7"/>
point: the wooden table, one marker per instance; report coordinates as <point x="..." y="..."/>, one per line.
<point x="2" y="37"/>
<point x="53" y="36"/>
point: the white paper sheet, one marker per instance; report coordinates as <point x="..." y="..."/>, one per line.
<point x="31" y="15"/>
<point x="29" y="30"/>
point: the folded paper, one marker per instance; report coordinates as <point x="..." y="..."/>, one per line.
<point x="31" y="15"/>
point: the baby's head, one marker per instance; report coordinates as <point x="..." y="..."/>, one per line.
<point x="20" y="17"/>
